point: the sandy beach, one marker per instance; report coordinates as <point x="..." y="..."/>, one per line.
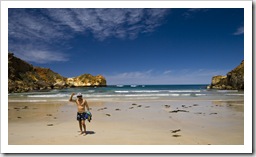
<point x="190" y="122"/>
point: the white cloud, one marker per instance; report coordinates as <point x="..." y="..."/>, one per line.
<point x="44" y="56"/>
<point x="190" y="12"/>
<point x="119" y="23"/>
<point x="183" y="76"/>
<point x="239" y="31"/>
<point x="52" y="27"/>
<point x="37" y="53"/>
<point x="167" y="72"/>
<point x="39" y="56"/>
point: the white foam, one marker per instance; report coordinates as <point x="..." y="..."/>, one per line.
<point x="121" y="91"/>
<point x="27" y="100"/>
<point x="184" y="91"/>
<point x="174" y="94"/>
<point x="201" y="94"/>
<point x="48" y="96"/>
<point x="227" y="91"/>
<point x="235" y="94"/>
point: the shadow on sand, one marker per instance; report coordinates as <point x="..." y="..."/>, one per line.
<point x="90" y="132"/>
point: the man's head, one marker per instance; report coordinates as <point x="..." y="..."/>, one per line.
<point x="79" y="95"/>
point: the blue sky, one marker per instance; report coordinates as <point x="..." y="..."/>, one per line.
<point x="130" y="46"/>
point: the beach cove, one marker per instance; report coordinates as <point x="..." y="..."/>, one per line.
<point x="128" y="122"/>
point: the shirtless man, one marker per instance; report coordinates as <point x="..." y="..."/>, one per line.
<point x="81" y="114"/>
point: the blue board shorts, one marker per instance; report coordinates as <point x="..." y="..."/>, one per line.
<point x="81" y="116"/>
<point x="84" y="116"/>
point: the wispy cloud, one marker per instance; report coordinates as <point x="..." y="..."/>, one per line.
<point x="38" y="53"/>
<point x="192" y="11"/>
<point x="239" y="31"/>
<point x="48" y="27"/>
<point x="183" y="76"/>
<point x="167" y="72"/>
<point x="105" y="23"/>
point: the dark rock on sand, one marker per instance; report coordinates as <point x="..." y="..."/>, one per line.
<point x="167" y="106"/>
<point x="49" y="124"/>
<point x="26" y="107"/>
<point x="108" y="115"/>
<point x="48" y="114"/>
<point x="213" y="113"/>
<point x="117" y="109"/>
<point x="175" y="111"/>
<point x="18" y="117"/>
<point x="134" y="104"/>
<point x="174" y="131"/>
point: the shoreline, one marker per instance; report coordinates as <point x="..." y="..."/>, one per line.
<point x="135" y="122"/>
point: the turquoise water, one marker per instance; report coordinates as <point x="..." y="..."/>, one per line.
<point x="133" y="92"/>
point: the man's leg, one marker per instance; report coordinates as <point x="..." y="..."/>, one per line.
<point x="84" y="126"/>
<point x="80" y="126"/>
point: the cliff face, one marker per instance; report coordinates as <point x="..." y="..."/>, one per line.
<point x="86" y="80"/>
<point x="24" y="77"/>
<point x="233" y="80"/>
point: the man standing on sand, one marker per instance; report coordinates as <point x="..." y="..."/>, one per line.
<point x="81" y="114"/>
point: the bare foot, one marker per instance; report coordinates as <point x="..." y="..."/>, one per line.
<point x="81" y="132"/>
<point x="85" y="133"/>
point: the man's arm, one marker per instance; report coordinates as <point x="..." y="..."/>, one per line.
<point x="86" y="104"/>
<point x="71" y="98"/>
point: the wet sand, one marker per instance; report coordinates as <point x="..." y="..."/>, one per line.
<point x="128" y="123"/>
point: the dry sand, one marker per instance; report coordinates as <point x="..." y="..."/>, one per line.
<point x="128" y="123"/>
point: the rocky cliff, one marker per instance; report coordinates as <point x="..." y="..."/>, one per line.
<point x="233" y="80"/>
<point x="24" y="77"/>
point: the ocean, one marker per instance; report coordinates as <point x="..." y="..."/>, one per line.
<point x="131" y="93"/>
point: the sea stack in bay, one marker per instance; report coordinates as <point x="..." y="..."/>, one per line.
<point x="24" y="77"/>
<point x="234" y="80"/>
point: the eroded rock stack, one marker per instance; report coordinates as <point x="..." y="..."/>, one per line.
<point x="234" y="80"/>
<point x="24" y="77"/>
